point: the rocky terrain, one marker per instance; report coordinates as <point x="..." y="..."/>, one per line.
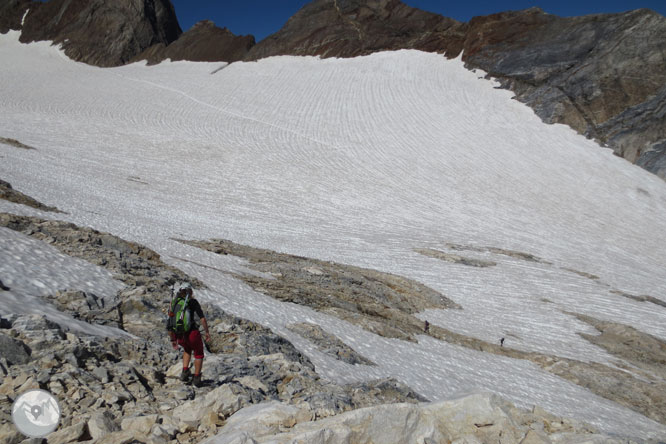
<point x="381" y="303"/>
<point x="386" y="305"/>
<point x="141" y="397"/>
<point x="94" y="32"/>
<point x="204" y="42"/>
<point x="603" y="75"/>
<point x="258" y="387"/>
<point x="479" y="418"/>
<point x="10" y="194"/>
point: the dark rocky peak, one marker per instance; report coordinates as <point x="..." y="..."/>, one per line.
<point x="11" y="14"/>
<point x="604" y="75"/>
<point x="98" y="32"/>
<point x="348" y="28"/>
<point x="204" y="42"/>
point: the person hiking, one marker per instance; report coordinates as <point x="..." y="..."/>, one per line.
<point x="184" y="331"/>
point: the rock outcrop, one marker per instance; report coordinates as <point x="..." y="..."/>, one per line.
<point x="329" y="344"/>
<point x="98" y="32"/>
<point x="603" y="75"/>
<point x="480" y="418"/>
<point x="205" y="42"/>
<point x="349" y="28"/>
<point x="10" y="194"/>
<point x="382" y="303"/>
<point x="11" y="14"/>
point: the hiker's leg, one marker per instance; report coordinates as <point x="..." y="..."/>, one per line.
<point x="186" y="360"/>
<point x="198" y="350"/>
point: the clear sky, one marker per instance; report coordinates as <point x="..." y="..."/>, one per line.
<point x="264" y="17"/>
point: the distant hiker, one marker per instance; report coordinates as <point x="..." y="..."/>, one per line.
<point x="427" y="327"/>
<point x="183" y="330"/>
<point x="502" y="342"/>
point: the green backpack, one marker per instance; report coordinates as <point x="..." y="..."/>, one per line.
<point x="179" y="316"/>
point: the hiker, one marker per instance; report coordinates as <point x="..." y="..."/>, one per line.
<point x="184" y="331"/>
<point x="502" y="342"/>
<point x="427" y="327"/>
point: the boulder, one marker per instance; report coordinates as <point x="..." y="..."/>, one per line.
<point x="222" y="401"/>
<point x="140" y="424"/>
<point x="475" y="419"/>
<point x="102" y="424"/>
<point x="14" y="350"/>
<point x="264" y="419"/>
<point x="73" y="433"/>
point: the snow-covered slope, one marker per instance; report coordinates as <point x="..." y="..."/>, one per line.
<point x="359" y="161"/>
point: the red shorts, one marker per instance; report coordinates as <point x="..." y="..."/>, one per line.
<point x="192" y="341"/>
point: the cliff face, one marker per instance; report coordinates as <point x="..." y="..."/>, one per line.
<point x="348" y="28"/>
<point x="99" y="32"/>
<point x="11" y="13"/>
<point x="205" y="42"/>
<point x="603" y="75"/>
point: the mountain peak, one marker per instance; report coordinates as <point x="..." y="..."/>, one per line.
<point x="98" y="32"/>
<point x="347" y="28"/>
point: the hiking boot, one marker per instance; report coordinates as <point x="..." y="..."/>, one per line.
<point x="185" y="375"/>
<point x="196" y="381"/>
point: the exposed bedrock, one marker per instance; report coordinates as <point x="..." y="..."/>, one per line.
<point x="349" y="28"/>
<point x="99" y="32"/>
<point x="204" y="42"/>
<point x="603" y="75"/>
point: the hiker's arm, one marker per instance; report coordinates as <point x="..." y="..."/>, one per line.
<point x="205" y="326"/>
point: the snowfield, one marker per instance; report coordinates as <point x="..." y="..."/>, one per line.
<point x="358" y="161"/>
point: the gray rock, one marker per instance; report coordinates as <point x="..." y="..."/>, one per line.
<point x="30" y="323"/>
<point x="329" y="344"/>
<point x="73" y="433"/>
<point x="13" y="350"/>
<point x="382" y="303"/>
<point x="603" y="75"/>
<point x="9" y="194"/>
<point x="454" y="258"/>
<point x="102" y="424"/>
<point x="102" y="374"/>
<point x="3" y="287"/>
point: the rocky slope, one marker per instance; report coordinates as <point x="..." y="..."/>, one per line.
<point x="348" y="28"/>
<point x="117" y="388"/>
<point x="96" y="32"/>
<point x="603" y="75"/>
<point x="204" y="42"/>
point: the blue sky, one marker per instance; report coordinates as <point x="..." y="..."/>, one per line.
<point x="264" y="17"/>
